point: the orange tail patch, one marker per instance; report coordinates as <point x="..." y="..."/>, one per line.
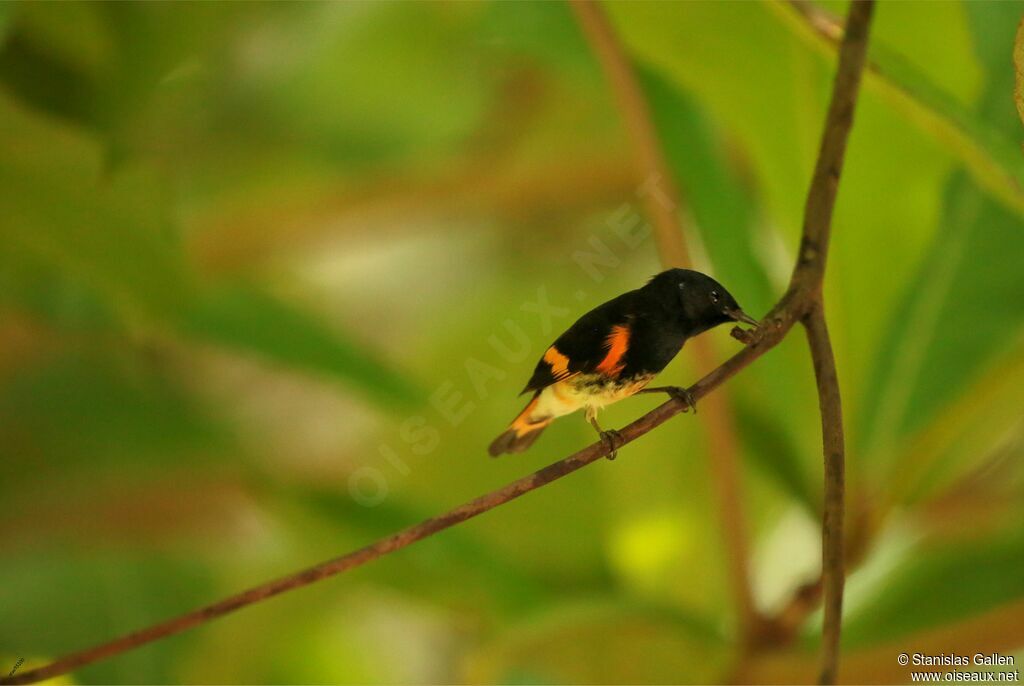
<point x="521" y="434"/>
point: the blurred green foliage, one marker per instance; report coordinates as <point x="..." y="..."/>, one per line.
<point x="270" y="279"/>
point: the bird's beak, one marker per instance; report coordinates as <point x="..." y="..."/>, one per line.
<point x="741" y="316"/>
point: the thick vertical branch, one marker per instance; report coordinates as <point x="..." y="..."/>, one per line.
<point x="808" y="276"/>
<point x="662" y="201"/>
<point x="832" y="566"/>
<point x="809" y="270"/>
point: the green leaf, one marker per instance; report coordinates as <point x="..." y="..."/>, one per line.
<point x="1018" y="65"/>
<point x="604" y="641"/>
<point x="771" y="449"/>
<point x="955" y="318"/>
<point x="110" y="236"/>
<point x="721" y="206"/>
<point x="248" y="319"/>
<point x="113" y="259"/>
<point x="961" y="438"/>
<point x="58" y="600"/>
<point x="722" y="54"/>
<point x="34" y="286"/>
<point x="373" y="83"/>
<point x="545" y="31"/>
<point x="987" y="153"/>
<point x="84" y="410"/>
<point x="940" y="585"/>
<point x="6" y="13"/>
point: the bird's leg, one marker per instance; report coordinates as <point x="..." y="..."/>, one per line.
<point x="676" y="393"/>
<point x="611" y="438"/>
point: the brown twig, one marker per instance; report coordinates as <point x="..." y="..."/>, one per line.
<point x="662" y="202"/>
<point x="801" y="302"/>
<point x="810" y="272"/>
<point x="833" y="571"/>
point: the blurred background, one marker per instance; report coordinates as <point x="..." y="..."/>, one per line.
<point x="271" y="277"/>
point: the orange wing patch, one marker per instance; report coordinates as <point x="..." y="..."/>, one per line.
<point x="558" y="362"/>
<point x="617" y="344"/>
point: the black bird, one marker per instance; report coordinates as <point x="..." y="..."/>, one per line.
<point x="613" y="352"/>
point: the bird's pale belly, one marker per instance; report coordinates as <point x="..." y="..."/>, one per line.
<point x="591" y="391"/>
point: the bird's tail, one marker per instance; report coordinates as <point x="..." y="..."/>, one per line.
<point x="522" y="432"/>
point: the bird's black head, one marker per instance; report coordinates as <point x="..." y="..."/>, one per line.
<point x="701" y="302"/>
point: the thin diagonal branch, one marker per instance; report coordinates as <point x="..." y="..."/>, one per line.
<point x="801" y="302"/>
<point x="662" y="203"/>
<point x="403" y="538"/>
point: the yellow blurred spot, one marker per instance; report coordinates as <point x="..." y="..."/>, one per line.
<point x="646" y="549"/>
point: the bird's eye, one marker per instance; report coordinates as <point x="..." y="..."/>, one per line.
<point x="714" y="297"/>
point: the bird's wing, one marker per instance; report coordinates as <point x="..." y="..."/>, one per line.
<point x="596" y="343"/>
